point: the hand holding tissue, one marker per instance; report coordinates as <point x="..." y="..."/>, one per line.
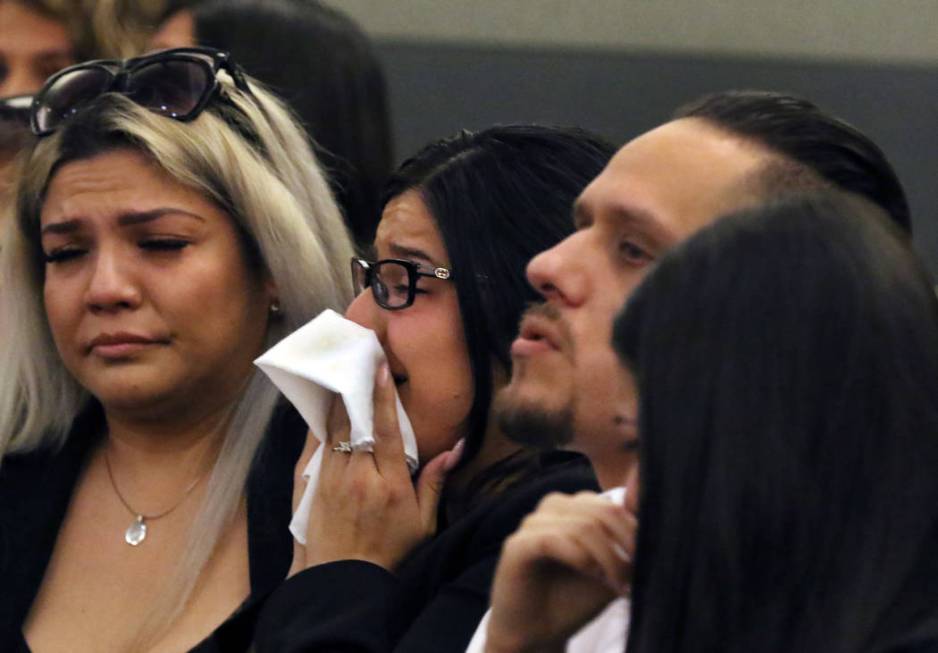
<point x="328" y="356"/>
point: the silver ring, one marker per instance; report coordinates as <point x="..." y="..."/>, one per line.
<point x="343" y="447"/>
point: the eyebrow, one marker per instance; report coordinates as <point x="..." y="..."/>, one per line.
<point x="632" y="216"/>
<point x="409" y="252"/>
<point x="124" y="220"/>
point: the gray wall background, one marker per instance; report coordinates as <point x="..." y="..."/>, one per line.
<point x="620" y="68"/>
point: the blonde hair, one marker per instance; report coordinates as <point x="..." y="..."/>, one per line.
<point x="247" y="155"/>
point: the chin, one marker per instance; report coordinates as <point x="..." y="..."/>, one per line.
<point x="534" y="421"/>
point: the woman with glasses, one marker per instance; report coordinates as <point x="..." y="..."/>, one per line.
<point x="170" y="224"/>
<point x="392" y="564"/>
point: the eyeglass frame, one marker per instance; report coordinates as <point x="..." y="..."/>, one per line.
<point x="413" y="276"/>
<point x="220" y="60"/>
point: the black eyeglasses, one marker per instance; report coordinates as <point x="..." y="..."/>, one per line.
<point x="177" y="83"/>
<point x="393" y="281"/>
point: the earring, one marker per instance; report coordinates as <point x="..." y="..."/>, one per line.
<point x="274" y="307"/>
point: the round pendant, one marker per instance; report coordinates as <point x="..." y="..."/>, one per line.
<point x="136" y="532"/>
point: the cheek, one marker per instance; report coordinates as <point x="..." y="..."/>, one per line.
<point x="62" y="311"/>
<point x="439" y="391"/>
<point x="360" y="310"/>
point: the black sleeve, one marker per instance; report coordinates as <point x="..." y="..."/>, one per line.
<point x="339" y="606"/>
<point x="431" y="604"/>
<point x="348" y="607"/>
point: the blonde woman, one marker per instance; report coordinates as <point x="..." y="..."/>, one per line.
<point x="171" y="223"/>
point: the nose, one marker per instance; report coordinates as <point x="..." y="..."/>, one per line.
<point x="365" y="312"/>
<point x="112" y="285"/>
<point x="559" y="273"/>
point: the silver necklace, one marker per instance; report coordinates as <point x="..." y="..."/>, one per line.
<point x="137" y="531"/>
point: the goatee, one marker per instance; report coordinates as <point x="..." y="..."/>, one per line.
<point x="531" y="425"/>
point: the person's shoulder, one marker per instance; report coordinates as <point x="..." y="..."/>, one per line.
<point x="558" y="471"/>
<point x="497" y="516"/>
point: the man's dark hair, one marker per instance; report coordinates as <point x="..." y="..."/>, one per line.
<point x="802" y="133"/>
<point x="499" y="197"/>
<point x="786" y="360"/>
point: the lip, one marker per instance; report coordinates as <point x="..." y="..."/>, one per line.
<point x="121" y="344"/>
<point x="536" y="336"/>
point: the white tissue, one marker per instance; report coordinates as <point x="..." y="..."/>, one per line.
<point x="331" y="355"/>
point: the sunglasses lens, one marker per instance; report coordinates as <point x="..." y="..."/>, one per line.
<point x="172" y="88"/>
<point x="68" y="93"/>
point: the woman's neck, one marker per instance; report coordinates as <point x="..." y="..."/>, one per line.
<point x="495" y="447"/>
<point x="152" y="458"/>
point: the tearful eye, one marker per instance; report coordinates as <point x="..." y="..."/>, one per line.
<point x="63" y="254"/>
<point x="163" y="244"/>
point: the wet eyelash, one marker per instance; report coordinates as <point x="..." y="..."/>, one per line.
<point x="164" y="244"/>
<point x="629" y="249"/>
<point x="62" y="255"/>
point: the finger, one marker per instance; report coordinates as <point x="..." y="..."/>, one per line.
<point x="334" y="465"/>
<point x="389" y="449"/>
<point x="605" y="557"/>
<point x="430" y="484"/>
<point x="337" y="423"/>
<point x="560" y="548"/>
<point x="632" y="490"/>
<point x="299" y="482"/>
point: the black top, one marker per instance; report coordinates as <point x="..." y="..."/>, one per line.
<point x="36" y="488"/>
<point x="433" y="602"/>
<point x="436" y="598"/>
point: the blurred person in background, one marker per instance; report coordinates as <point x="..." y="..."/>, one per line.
<point x="165" y="234"/>
<point x="40" y="37"/>
<point x="324" y="66"/>
<point x="14" y="135"/>
<point x="35" y="42"/>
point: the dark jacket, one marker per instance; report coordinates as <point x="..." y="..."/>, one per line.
<point x="434" y="600"/>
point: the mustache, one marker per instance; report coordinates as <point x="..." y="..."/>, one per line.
<point x="549" y="312"/>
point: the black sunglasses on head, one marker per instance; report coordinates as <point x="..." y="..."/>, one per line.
<point x="177" y="83"/>
<point x="393" y="281"/>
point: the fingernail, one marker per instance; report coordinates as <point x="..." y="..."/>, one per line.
<point x="620" y="551"/>
<point x="455" y="454"/>
<point x="458" y="448"/>
<point x="384" y="374"/>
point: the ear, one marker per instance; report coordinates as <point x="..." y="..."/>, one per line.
<point x="272" y="293"/>
<point x="270" y="287"/>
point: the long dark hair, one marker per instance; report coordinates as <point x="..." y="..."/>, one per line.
<point x="499" y="197"/>
<point x="324" y="66"/>
<point x="787" y="365"/>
